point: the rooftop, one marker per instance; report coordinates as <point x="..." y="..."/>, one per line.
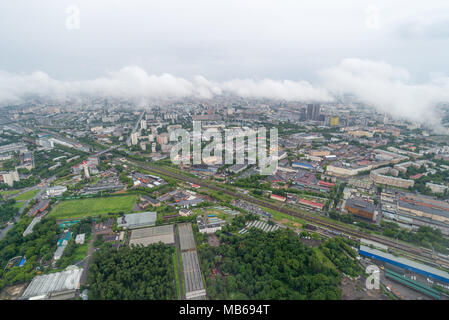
<point x="135" y="220"/>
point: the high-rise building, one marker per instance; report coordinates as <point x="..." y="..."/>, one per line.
<point x="334" y="121"/>
<point x="143" y="124"/>
<point x="302" y="115"/>
<point x="134" y="138"/>
<point x="86" y="170"/>
<point x="313" y="112"/>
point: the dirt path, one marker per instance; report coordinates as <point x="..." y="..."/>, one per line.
<point x="87" y="259"/>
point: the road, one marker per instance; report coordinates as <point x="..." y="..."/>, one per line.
<point x="37" y="196"/>
<point x="91" y="250"/>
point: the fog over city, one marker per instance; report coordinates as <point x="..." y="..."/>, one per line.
<point x="391" y="56"/>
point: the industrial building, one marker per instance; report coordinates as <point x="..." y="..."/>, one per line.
<point x="55" y="286"/>
<point x="137" y="220"/>
<point x="311" y="204"/>
<point x="209" y="223"/>
<point x="237" y="168"/>
<point x="278" y="198"/>
<point x="361" y="208"/>
<point x="411" y="211"/>
<point x="193" y="280"/>
<point x="404" y="263"/>
<point x="56" y="191"/>
<point x="340" y="170"/>
<point x="147" y="236"/>
<point x="146" y="201"/>
<point x="258" y="224"/>
<point x="192" y="275"/>
<point x="186" y="239"/>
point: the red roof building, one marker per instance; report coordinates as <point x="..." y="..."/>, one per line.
<point x="278" y="198"/>
<point x="326" y="184"/>
<point x="311" y="203"/>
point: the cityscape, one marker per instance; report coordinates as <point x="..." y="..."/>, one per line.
<point x="100" y="200"/>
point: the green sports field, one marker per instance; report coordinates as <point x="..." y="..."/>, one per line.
<point x="93" y="207"/>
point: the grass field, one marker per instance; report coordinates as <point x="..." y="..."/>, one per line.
<point x="27" y="195"/>
<point x="81" y="250"/>
<point x="278" y="216"/>
<point x="93" y="207"/>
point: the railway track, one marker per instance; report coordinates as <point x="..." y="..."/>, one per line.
<point x="292" y="212"/>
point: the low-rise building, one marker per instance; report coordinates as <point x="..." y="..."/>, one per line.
<point x="9" y="177"/>
<point x="54" y="286"/>
<point x="137" y="220"/>
<point x="56" y="191"/>
<point x="278" y="198"/>
<point x="80" y="238"/>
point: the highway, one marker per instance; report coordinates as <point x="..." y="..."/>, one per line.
<point x="354" y="234"/>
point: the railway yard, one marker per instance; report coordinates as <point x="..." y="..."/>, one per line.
<point x="420" y="254"/>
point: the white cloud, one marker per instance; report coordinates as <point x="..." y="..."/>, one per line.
<point x="387" y="88"/>
<point x="283" y="90"/>
<point x="135" y="83"/>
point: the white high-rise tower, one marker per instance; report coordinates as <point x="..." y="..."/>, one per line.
<point x="86" y="170"/>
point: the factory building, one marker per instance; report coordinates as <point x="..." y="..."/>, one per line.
<point x="360" y="208"/>
<point x="404" y="263"/>
<point x="54" y="286"/>
<point x="137" y="220"/>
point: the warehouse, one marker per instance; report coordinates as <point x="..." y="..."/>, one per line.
<point x="312" y="204"/>
<point x="237" y="168"/>
<point x="137" y="220"/>
<point x="55" y="286"/>
<point x="404" y="263"/>
<point x="278" y="198"/>
<point x="147" y="236"/>
<point x="192" y="275"/>
<point x="186" y="236"/>
<point x="193" y="280"/>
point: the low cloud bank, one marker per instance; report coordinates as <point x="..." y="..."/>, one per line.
<point x="384" y="87"/>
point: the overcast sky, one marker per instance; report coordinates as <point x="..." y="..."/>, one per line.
<point x="222" y="39"/>
<point x="287" y="49"/>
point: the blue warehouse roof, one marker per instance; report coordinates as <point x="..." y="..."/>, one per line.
<point x="405" y="263"/>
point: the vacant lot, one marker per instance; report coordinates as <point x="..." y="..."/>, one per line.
<point x="93" y="207"/>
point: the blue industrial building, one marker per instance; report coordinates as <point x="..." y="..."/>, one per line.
<point x="404" y="263"/>
<point x="303" y="165"/>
